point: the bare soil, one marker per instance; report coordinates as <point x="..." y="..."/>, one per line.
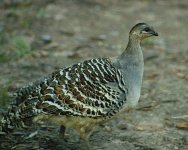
<point x="64" y="32"/>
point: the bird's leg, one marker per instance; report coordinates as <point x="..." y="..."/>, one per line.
<point x="62" y="131"/>
<point x="87" y="144"/>
<point x="86" y="141"/>
<point x="84" y="135"/>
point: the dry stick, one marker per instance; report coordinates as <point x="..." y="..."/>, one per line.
<point x="180" y="117"/>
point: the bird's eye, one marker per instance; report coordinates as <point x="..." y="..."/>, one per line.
<point x="147" y="29"/>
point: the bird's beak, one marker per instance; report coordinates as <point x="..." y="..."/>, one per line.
<point x="152" y="32"/>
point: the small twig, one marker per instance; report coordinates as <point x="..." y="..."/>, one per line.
<point x="169" y="101"/>
<point x="148" y="107"/>
<point x="180" y="117"/>
<point x="32" y="135"/>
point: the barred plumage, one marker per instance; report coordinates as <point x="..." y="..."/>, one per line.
<point x="84" y="94"/>
<point x="93" y="89"/>
<point x="83" y="90"/>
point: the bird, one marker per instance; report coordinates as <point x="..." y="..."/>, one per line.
<point x="83" y="95"/>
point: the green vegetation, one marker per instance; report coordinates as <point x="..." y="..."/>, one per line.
<point x="21" y="46"/>
<point x="14" y="48"/>
<point x="18" y="17"/>
<point x="4" y="97"/>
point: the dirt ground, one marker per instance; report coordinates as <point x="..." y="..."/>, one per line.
<point x="63" y="32"/>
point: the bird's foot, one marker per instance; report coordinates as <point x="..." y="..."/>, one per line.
<point x="62" y="132"/>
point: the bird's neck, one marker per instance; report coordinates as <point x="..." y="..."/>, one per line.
<point x="133" y="47"/>
<point x="131" y="64"/>
<point x="132" y="55"/>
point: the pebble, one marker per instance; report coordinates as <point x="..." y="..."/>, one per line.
<point x="122" y="126"/>
<point x="46" y="38"/>
<point x="107" y="129"/>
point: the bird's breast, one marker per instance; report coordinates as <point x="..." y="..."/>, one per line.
<point x="133" y="77"/>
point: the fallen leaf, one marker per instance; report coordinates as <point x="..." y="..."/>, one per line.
<point x="149" y="126"/>
<point x="182" y="126"/>
<point x="179" y="74"/>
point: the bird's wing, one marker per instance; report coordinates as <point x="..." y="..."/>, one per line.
<point x="93" y="88"/>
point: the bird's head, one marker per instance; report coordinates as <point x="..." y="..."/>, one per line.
<point x="141" y="31"/>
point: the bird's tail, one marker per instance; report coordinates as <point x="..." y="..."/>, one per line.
<point x="18" y="116"/>
<point x="25" y="106"/>
<point x="21" y="112"/>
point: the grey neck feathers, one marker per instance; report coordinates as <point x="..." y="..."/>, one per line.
<point x="133" y="47"/>
<point x="131" y="63"/>
<point x="132" y="54"/>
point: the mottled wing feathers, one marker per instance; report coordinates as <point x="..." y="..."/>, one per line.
<point x="93" y="88"/>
